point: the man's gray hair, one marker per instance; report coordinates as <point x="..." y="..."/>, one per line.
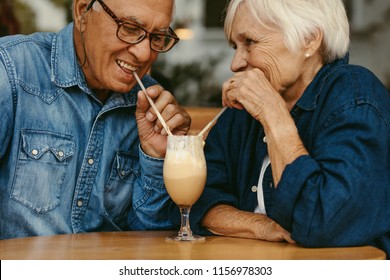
<point x="98" y="7"/>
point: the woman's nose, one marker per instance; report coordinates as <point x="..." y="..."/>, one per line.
<point x="239" y="62"/>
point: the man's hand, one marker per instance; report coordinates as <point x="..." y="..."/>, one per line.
<point x="152" y="135"/>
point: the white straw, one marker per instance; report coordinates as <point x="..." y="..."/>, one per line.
<point x="152" y="104"/>
<point x="212" y="121"/>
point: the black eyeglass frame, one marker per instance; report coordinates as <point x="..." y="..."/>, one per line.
<point x="121" y="23"/>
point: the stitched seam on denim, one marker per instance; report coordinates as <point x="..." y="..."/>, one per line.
<point x="11" y="77"/>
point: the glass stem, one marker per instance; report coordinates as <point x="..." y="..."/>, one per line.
<point x="185" y="230"/>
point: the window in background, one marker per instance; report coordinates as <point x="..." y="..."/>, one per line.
<point x="8" y="23"/>
<point x="214" y="13"/>
<point x="33" y="15"/>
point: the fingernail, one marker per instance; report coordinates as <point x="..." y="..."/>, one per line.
<point x="149" y="116"/>
<point x="151" y="90"/>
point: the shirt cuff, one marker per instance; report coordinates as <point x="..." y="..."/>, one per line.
<point x="289" y="189"/>
<point x="151" y="168"/>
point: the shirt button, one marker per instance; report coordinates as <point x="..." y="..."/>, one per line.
<point x="90" y="161"/>
<point x="254" y="189"/>
<point x="34" y="152"/>
<point x="79" y="203"/>
<point x="60" y="153"/>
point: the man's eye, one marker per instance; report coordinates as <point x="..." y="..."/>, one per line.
<point x="130" y="29"/>
<point x="158" y="38"/>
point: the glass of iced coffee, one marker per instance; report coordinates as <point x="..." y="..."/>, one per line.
<point x="185" y="178"/>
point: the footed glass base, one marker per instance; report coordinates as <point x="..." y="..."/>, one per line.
<point x="186" y="238"/>
<point x="185" y="232"/>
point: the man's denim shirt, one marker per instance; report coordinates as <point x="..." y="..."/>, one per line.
<point x="68" y="163"/>
<point x="339" y="195"/>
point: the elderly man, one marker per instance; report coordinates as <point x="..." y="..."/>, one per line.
<point x="80" y="147"/>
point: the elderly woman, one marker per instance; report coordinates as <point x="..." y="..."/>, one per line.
<point x="303" y="155"/>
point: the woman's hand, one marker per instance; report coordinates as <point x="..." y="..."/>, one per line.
<point x="152" y="135"/>
<point x="251" y="90"/>
<point x="229" y="221"/>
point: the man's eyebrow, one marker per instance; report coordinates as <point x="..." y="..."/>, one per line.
<point x="135" y="20"/>
<point x="139" y="22"/>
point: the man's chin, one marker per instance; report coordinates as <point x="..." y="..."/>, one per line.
<point x="125" y="87"/>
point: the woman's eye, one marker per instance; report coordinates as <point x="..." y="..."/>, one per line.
<point x="248" y="42"/>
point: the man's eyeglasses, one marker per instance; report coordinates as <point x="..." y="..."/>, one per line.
<point x="133" y="34"/>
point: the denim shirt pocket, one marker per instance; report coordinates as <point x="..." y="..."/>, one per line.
<point x="118" y="191"/>
<point x="41" y="169"/>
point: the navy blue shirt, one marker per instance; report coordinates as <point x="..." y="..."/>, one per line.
<point x="338" y="195"/>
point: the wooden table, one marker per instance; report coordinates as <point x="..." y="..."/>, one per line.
<point x="151" y="245"/>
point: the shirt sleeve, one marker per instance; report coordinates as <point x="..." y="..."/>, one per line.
<point x="150" y="199"/>
<point x="6" y="110"/>
<point x="339" y="194"/>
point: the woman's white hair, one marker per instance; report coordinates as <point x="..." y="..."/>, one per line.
<point x="299" y="20"/>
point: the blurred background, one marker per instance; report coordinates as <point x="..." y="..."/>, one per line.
<point x="197" y="66"/>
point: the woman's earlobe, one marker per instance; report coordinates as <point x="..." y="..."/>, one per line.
<point x="316" y="40"/>
<point x="313" y="43"/>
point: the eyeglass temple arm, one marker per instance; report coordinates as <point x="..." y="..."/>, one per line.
<point x="90" y="5"/>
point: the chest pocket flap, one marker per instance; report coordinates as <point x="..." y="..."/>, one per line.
<point x="127" y="163"/>
<point x="37" y="143"/>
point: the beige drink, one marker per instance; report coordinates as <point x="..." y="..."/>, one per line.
<point x="184" y="177"/>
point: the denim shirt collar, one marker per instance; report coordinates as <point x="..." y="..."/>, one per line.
<point x="66" y="71"/>
<point x="308" y="100"/>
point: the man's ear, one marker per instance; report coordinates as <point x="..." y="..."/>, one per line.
<point x="80" y="9"/>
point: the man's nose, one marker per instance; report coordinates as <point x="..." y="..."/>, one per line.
<point x="141" y="50"/>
